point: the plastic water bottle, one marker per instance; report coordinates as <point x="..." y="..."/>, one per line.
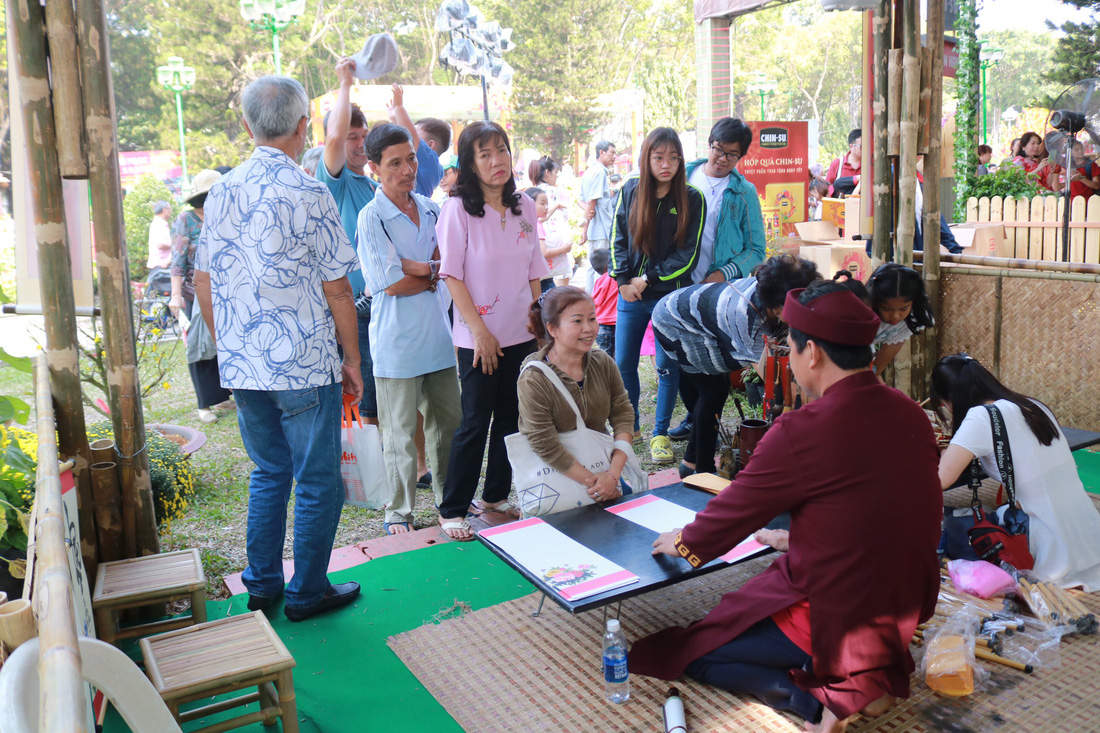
<point x="616" y="678"/>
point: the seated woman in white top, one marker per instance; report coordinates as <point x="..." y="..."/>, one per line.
<point x="1064" y="526"/>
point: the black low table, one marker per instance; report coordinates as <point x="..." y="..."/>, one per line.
<point x="1079" y="439"/>
<point x="627" y="544"/>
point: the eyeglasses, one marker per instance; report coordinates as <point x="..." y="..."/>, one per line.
<point x="661" y="159"/>
<point x="721" y="154"/>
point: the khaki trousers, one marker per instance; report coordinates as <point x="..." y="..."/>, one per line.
<point x="436" y="395"/>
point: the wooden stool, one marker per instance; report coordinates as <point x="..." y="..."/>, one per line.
<point x="219" y="657"/>
<point x="144" y="581"/>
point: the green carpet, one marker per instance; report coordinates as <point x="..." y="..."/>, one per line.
<point x="347" y="679"/>
<point x="1088" y="468"/>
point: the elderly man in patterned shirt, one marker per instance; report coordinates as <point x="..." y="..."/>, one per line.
<point x="271" y="275"/>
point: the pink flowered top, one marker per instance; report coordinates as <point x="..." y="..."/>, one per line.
<point x="496" y="264"/>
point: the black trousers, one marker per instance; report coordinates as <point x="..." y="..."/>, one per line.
<point x="756" y="663"/>
<point x="705" y="396"/>
<point x="490" y="410"/>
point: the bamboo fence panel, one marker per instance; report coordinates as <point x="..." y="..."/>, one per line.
<point x="1042" y="240"/>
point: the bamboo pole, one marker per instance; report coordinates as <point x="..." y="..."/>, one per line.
<point x="923" y="129"/>
<point x="114" y="282"/>
<point x="998" y="321"/>
<point x="103" y="451"/>
<point x="65" y="80"/>
<point x="108" y="511"/>
<point x="1026" y="274"/>
<point x="929" y="342"/>
<point x="883" y="207"/>
<point x="17" y="624"/>
<point x="1087" y="268"/>
<point x="907" y="161"/>
<point x="894" y="105"/>
<point x="61" y="700"/>
<point x="27" y="34"/>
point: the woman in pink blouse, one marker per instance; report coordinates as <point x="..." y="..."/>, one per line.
<point x="493" y="264"/>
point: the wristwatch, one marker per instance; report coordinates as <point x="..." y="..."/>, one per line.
<point x="645" y="278"/>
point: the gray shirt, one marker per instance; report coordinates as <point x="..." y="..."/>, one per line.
<point x="595" y="186"/>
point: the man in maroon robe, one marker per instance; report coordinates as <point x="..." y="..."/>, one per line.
<point x="823" y="632"/>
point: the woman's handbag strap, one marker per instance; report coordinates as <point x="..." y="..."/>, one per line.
<point x="556" y="381"/>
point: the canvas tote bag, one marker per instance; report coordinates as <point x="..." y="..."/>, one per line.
<point x="543" y="490"/>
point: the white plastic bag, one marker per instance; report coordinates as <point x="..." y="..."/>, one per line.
<point x="361" y="463"/>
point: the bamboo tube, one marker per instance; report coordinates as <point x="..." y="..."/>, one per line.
<point x="933" y="163"/>
<point x="907" y="159"/>
<point x="108" y="511"/>
<point x="1015" y="263"/>
<point x="65" y="80"/>
<point x="925" y="101"/>
<point x="27" y="35"/>
<point x="114" y="282"/>
<point x="103" y="451"/>
<point x="1026" y="274"/>
<point x="881" y="190"/>
<point x="59" y="668"/>
<point x="893" y="104"/>
<point x="17" y="624"/>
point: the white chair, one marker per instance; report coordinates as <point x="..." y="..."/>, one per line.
<point x="105" y="667"/>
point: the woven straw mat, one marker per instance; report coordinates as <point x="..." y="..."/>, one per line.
<point x="499" y="669"/>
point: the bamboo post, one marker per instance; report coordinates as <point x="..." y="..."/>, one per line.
<point x="998" y="312"/>
<point x="114" y="282"/>
<point x="883" y="207"/>
<point x="925" y="129"/>
<point x="61" y="706"/>
<point x="894" y="105"/>
<point x="907" y="161"/>
<point x="1016" y="264"/>
<point x="930" y="345"/>
<point x="27" y="33"/>
<point x="108" y="511"/>
<point x="103" y="451"/>
<point x="65" y="80"/>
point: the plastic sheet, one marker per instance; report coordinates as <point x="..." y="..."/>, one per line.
<point x="980" y="578"/>
<point x="949" y="660"/>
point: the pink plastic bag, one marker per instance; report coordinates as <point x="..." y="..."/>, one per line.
<point x="980" y="578"/>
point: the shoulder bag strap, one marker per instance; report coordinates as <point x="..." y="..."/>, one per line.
<point x="556" y="381"/>
<point x="1003" y="453"/>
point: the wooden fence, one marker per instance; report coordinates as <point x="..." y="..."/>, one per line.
<point x="1033" y="227"/>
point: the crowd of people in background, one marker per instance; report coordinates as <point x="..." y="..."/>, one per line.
<point x="1029" y="153"/>
<point x="438" y="295"/>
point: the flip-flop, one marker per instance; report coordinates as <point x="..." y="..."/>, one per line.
<point x="387" y="525"/>
<point x="460" y="524"/>
<point x="505" y="507"/>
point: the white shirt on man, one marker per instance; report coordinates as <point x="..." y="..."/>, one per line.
<point x="713" y="189"/>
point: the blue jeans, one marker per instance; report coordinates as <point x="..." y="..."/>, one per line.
<point x="605" y="339"/>
<point x="630" y="326"/>
<point x="293" y="437"/>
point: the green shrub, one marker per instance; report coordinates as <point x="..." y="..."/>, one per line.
<point x="1009" y="180"/>
<point x="137" y="212"/>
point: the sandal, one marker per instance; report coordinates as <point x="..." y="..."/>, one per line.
<point x="504" y="507"/>
<point x="406" y="525"/>
<point x="457" y="525"/>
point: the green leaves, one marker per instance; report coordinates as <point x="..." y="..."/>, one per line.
<point x="968" y="90"/>
<point x="1009" y="180"/>
<point x="13" y="408"/>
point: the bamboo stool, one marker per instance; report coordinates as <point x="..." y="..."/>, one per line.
<point x="219" y="657"/>
<point x="144" y="581"/>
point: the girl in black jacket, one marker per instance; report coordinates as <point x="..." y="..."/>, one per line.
<point x="654" y="247"/>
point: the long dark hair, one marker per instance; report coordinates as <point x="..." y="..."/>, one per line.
<point x="477" y="135"/>
<point x="538" y="169"/>
<point x="965" y="383"/>
<point x="1024" y="140"/>
<point x="892" y="280"/>
<point x="643" y="212"/>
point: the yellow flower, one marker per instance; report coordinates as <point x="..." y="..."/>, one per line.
<point x="166" y="385"/>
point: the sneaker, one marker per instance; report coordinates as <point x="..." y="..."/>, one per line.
<point x="660" y="449"/>
<point x="681" y="431"/>
<point x="207" y="416"/>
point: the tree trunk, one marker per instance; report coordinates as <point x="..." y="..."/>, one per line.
<point x="140" y="530"/>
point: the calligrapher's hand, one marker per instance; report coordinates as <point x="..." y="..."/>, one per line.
<point x="666" y="543"/>
<point x="777" y="538"/>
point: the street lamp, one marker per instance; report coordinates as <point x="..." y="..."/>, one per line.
<point x="988" y="57"/>
<point x="177" y="78"/>
<point x="273" y="16"/>
<point x="478" y="47"/>
<point x="763" y="86"/>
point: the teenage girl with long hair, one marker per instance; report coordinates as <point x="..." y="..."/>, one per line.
<point x="655" y="238"/>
